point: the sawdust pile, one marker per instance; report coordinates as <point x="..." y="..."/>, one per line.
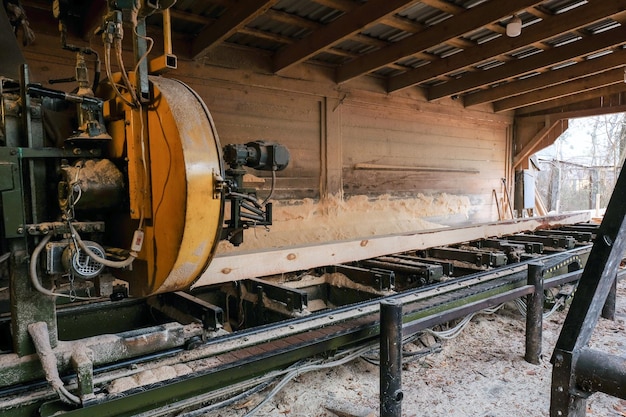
<point x="299" y="222"/>
<point x="481" y="373"/>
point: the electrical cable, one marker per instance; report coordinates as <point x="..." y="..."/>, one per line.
<point x="117" y="44"/>
<point x="148" y="49"/>
<point x="456" y="330"/>
<point x="144" y="164"/>
<point x="39" y="334"/>
<point x="308" y="368"/>
<point x="240" y="396"/>
<point x="34" y="259"/>
<point x="272" y="188"/>
<point x="106" y="262"/>
<point x="107" y="69"/>
<point x="521" y="306"/>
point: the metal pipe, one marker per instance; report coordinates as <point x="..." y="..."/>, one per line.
<point x="167" y="32"/>
<point x="534" y="313"/>
<point x="391" y="359"/>
<point x="601" y="372"/>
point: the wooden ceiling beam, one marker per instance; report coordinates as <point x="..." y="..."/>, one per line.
<point x="518" y="67"/>
<point x="190" y="17"/>
<point x="402" y="23"/>
<point x="455" y="26"/>
<point x="603" y="104"/>
<point x="444" y="6"/>
<point x="558" y="105"/>
<point x="266" y="35"/>
<point x="549" y="78"/>
<point x="593" y="11"/>
<point x="292" y="19"/>
<point x="243" y="13"/>
<point x="343" y="27"/>
<point x="604" y="79"/>
<point x="342" y="5"/>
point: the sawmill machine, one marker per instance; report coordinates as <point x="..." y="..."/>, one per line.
<point x="118" y="187"/>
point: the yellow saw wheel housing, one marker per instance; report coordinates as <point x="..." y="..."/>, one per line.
<point x="180" y="199"/>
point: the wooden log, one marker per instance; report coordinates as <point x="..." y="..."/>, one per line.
<point x="236" y="266"/>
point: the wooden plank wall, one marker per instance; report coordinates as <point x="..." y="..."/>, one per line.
<point x="332" y="130"/>
<point x="441" y="155"/>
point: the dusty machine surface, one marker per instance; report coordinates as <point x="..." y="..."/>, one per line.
<point x="114" y="198"/>
<point x="115" y="189"/>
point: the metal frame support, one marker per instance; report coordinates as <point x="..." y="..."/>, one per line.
<point x="608" y="311"/>
<point x="572" y="359"/>
<point x="534" y="314"/>
<point x="391" y="359"/>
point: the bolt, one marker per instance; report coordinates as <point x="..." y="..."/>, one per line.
<point x="559" y="389"/>
<point x="20" y="230"/>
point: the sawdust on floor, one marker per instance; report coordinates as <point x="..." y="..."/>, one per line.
<point x="481" y="373"/>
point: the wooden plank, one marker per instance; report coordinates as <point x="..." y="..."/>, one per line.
<point x="607" y="78"/>
<point x="346" y="25"/>
<point x="480" y="15"/>
<point x="412" y="183"/>
<point x="595" y="10"/>
<point x="608" y="39"/>
<point x="572" y="72"/>
<point x="405" y="168"/>
<point x="235" y="17"/>
<point x="332" y="152"/>
<point x="234" y="267"/>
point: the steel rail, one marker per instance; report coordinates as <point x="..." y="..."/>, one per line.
<point x="331" y="330"/>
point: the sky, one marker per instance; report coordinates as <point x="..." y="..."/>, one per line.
<point x="575" y="145"/>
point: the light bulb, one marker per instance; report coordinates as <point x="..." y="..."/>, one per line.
<point x="514" y="27"/>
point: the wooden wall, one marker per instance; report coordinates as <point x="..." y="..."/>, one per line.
<point x="345" y="140"/>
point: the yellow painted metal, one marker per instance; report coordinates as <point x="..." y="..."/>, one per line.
<point x="182" y="214"/>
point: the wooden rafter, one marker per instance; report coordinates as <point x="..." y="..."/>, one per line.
<point x="190" y="17"/>
<point x="481" y="15"/>
<point x="444" y="6"/>
<point x="595" y="10"/>
<point x="544" y="137"/>
<point x="292" y="19"/>
<point x="402" y="23"/>
<point x="345" y="26"/>
<point x="557" y="105"/>
<point x="342" y="5"/>
<point x="614" y="76"/>
<point x="228" y="24"/>
<point x="521" y="66"/>
<point x="571" y="100"/>
<point x="548" y="78"/>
